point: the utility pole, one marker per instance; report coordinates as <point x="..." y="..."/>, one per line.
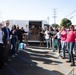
<point x="48" y="20"/>
<point x="54" y="15"/>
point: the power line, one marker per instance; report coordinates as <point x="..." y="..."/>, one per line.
<point x="71" y="13"/>
<point x="48" y="19"/>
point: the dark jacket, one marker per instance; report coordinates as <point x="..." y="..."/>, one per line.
<point x="5" y="32"/>
<point x="5" y="35"/>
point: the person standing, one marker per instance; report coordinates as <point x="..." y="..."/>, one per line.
<point x="26" y="34"/>
<point x="59" y="40"/>
<point x="54" y="39"/>
<point x="47" y="38"/>
<point x="22" y="33"/>
<point x="13" y="40"/>
<point x="41" y="38"/>
<point x="7" y="43"/>
<point x="71" y="42"/>
<point x="63" y="34"/>
<point x="1" y="47"/>
<point x="51" y="33"/>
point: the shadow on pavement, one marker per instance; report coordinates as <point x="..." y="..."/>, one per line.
<point x="23" y="65"/>
<point x="45" y="52"/>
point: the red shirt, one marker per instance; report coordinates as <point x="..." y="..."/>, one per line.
<point x="71" y="36"/>
<point x="63" y="35"/>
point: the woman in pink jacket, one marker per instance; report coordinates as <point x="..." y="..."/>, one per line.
<point x="70" y="42"/>
<point x="63" y="40"/>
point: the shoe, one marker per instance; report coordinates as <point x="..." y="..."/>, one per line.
<point x="16" y="54"/>
<point x="63" y="58"/>
<point x="5" y="64"/>
<point x="9" y="60"/>
<point x="27" y="44"/>
<point x="47" y="47"/>
<point x="72" y="65"/>
<point x="53" y="50"/>
<point x="68" y="61"/>
<point x="18" y="51"/>
<point x="50" y="48"/>
<point x="13" y="56"/>
<point x="58" y="54"/>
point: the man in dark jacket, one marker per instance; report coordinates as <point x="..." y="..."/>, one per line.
<point x="7" y="45"/>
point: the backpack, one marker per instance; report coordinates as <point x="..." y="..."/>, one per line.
<point x="22" y="46"/>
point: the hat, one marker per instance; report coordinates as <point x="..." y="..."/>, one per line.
<point x="7" y="21"/>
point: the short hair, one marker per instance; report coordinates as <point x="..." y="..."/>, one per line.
<point x="7" y="21"/>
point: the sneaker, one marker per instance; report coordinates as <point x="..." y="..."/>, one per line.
<point x="9" y="60"/>
<point x="13" y="56"/>
<point x="27" y="44"/>
<point x="47" y="47"/>
<point x="18" y="51"/>
<point x="53" y="51"/>
<point x="16" y="54"/>
<point x="63" y="57"/>
<point x="59" y="54"/>
<point x="72" y="65"/>
<point x="68" y="61"/>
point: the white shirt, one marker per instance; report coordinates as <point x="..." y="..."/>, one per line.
<point x="46" y="35"/>
<point x="27" y="30"/>
<point x="1" y="36"/>
<point x="58" y="35"/>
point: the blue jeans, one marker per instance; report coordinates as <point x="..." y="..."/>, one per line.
<point x="30" y="35"/>
<point x="13" y="51"/>
<point x="47" y="42"/>
<point x="70" y="50"/>
<point x="63" y="48"/>
<point x="54" y="40"/>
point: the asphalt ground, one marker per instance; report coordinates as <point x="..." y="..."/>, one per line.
<point x="37" y="61"/>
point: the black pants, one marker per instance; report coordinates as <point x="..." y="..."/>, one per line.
<point x="59" y="45"/>
<point x="1" y="55"/>
<point x="7" y="52"/>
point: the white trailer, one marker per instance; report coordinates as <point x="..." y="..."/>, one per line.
<point x="32" y="23"/>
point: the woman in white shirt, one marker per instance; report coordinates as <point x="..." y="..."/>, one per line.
<point x="47" y="37"/>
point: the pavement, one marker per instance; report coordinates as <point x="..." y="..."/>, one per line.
<point x="36" y="60"/>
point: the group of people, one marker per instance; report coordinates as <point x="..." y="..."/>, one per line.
<point x="9" y="42"/>
<point x="56" y="38"/>
<point x="60" y="39"/>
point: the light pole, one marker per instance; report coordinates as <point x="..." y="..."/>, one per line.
<point x="54" y="15"/>
<point x="48" y="20"/>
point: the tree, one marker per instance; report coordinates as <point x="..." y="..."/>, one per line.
<point x="55" y="25"/>
<point x="66" y="22"/>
